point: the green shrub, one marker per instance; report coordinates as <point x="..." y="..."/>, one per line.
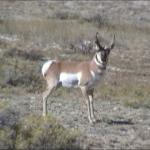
<point x="6" y="141"/>
<point x="36" y="133"/>
<point x="33" y="132"/>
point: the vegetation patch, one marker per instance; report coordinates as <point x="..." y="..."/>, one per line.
<point x="21" y="67"/>
<point x="33" y="132"/>
<point x="3" y="104"/>
<point x="129" y="93"/>
<point x="32" y="55"/>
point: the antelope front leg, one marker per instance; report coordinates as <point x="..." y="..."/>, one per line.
<point x="89" y="111"/>
<point x="91" y="108"/>
<point x="85" y="94"/>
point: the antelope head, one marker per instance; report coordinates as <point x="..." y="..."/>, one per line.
<point x="104" y="51"/>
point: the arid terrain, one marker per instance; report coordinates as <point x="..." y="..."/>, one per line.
<point x="32" y="32"/>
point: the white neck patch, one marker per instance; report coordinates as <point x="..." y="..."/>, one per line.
<point x="99" y="59"/>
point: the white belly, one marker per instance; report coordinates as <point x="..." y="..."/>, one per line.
<point x="69" y="79"/>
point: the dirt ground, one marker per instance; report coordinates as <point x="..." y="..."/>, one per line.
<point x="118" y="127"/>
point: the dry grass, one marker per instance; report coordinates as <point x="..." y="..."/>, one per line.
<point x="47" y="30"/>
<point x="131" y="43"/>
<point x="33" y="132"/>
<point x="20" y="71"/>
<point x="129" y="92"/>
<point x="62" y="31"/>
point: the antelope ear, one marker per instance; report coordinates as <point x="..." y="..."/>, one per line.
<point x="112" y="43"/>
<point x="98" y="42"/>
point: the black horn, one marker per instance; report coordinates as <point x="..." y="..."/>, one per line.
<point x="112" y="43"/>
<point x="98" y="43"/>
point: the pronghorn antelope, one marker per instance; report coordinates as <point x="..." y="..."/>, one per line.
<point x="84" y="74"/>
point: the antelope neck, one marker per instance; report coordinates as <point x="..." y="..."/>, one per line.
<point x="99" y="62"/>
<point x="97" y="68"/>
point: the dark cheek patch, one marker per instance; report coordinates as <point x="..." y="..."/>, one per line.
<point x="105" y="56"/>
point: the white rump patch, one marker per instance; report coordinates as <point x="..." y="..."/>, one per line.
<point x="46" y="66"/>
<point x="69" y="79"/>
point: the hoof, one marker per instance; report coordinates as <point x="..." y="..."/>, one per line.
<point x="91" y="121"/>
<point x="94" y="120"/>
